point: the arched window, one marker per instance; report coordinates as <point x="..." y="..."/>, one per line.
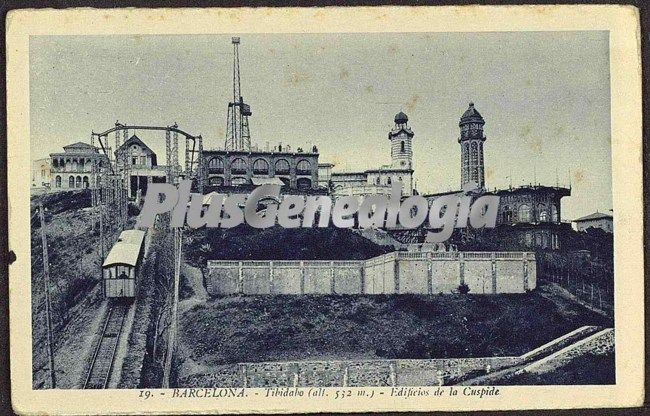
<point x="82" y="165"/>
<point x="78" y="182"/>
<point x="238" y="166"/>
<point x="57" y="182"/>
<point x="303" y="167"/>
<point x="85" y="182"/>
<point x="524" y="213"/>
<point x="55" y="162"/>
<point x="238" y="181"/>
<point x="506" y="215"/>
<point x="71" y="182"/>
<point x="215" y="165"/>
<point x="402" y="147"/>
<point x="282" y="167"/>
<point x="554" y="217"/>
<point x="303" y="183"/>
<point x="261" y="167"/>
<point x="543" y="213"/>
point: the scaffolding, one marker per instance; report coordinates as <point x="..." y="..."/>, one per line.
<point x="112" y="180"/>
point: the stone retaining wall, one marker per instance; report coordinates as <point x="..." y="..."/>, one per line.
<point x="361" y="373"/>
<point x="392" y="273"/>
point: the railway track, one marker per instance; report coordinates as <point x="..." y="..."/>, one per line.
<point x="101" y="366"/>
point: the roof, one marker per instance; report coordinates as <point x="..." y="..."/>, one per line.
<point x="594" y="216"/>
<point x="471" y="115"/>
<point x="401" y="118"/>
<point x="131" y="236"/>
<point x="135" y="139"/>
<point x="126" y="250"/>
<point x="80" y="147"/>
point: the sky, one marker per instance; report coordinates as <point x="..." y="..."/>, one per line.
<point x="545" y="98"/>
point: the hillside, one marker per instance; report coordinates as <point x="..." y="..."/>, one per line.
<point x="253" y="329"/>
<point x="244" y="243"/>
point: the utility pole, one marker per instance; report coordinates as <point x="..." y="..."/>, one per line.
<point x="46" y="273"/>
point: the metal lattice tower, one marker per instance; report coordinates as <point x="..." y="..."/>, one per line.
<point x="238" y="135"/>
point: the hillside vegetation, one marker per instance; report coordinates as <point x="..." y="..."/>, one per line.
<point x="247" y="243"/>
<point x="263" y="328"/>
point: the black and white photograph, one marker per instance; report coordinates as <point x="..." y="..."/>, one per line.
<point x="279" y="215"/>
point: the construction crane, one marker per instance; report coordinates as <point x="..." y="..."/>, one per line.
<point x="238" y="136"/>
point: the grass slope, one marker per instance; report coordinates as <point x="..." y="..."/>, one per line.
<point x="252" y="329"/>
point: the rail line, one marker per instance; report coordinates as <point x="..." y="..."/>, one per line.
<point x="101" y="366"/>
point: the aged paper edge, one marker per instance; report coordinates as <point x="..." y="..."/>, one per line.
<point x="622" y="23"/>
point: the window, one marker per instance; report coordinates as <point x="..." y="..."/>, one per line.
<point x="506" y="215"/>
<point x="85" y="182"/>
<point x="261" y="167"/>
<point x="134" y="160"/>
<point x="282" y="167"/>
<point x="304" y="183"/>
<point x="217" y="180"/>
<point x="239" y="181"/>
<point x="554" y="217"/>
<point x="215" y="165"/>
<point x="543" y="216"/>
<point x="402" y="147"/>
<point x="238" y="166"/>
<point x="524" y="213"/>
<point x="303" y="168"/>
<point x="71" y="182"/>
<point x="57" y="181"/>
<point x="78" y="182"/>
<point x="143" y="160"/>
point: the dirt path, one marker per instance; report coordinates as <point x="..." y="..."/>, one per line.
<point x="194" y="278"/>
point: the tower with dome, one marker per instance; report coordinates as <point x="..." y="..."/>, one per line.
<point x="379" y="180"/>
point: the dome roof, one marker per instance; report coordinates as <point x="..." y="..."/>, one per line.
<point x="471" y="115"/>
<point x="401" y="118"/>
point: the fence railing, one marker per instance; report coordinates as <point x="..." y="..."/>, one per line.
<point x="597" y="295"/>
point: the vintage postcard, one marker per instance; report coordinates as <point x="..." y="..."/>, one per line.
<point x="325" y="209"/>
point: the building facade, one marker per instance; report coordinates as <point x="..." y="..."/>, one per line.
<point x="41" y="173"/>
<point x="379" y="180"/>
<point x="295" y="170"/>
<point x="596" y="220"/>
<point x="142" y="165"/>
<point x="73" y="169"/>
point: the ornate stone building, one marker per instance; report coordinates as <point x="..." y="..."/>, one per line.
<point x="529" y="216"/>
<point x="379" y="180"/>
<point x="295" y="170"/>
<point x="72" y="169"/>
<point x="41" y="173"/>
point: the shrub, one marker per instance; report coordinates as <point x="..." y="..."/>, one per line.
<point x="463" y="289"/>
